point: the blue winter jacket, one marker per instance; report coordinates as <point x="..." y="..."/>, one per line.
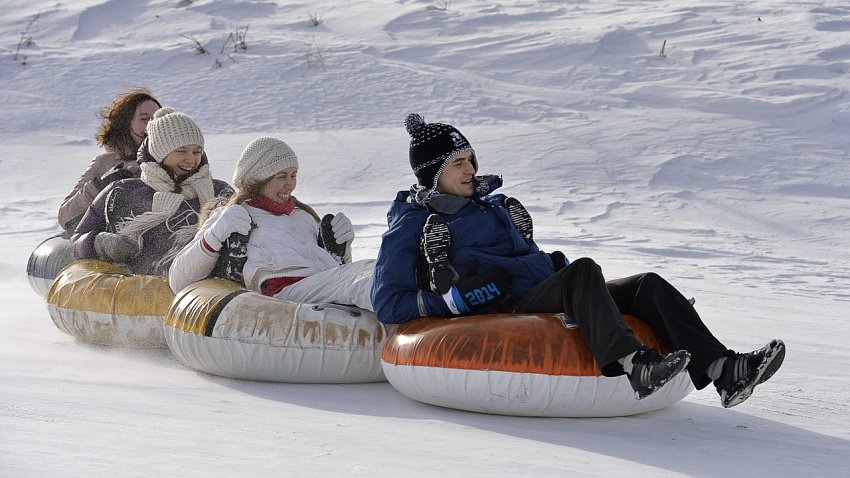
<point x="481" y="230"/>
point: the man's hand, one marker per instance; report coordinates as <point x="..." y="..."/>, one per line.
<point x="475" y="292"/>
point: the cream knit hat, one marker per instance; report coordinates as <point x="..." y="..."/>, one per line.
<point x="170" y="129"/>
<point x="263" y="158"/>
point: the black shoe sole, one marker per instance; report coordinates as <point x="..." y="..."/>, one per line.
<point x="117" y="209"/>
<point x="232" y="258"/>
<point x="520" y="217"/>
<point x="436" y="240"/>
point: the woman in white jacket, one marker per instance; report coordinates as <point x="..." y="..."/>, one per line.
<point x="285" y="254"/>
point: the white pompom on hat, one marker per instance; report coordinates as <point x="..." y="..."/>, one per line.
<point x="170" y="129"/>
<point x="263" y="158"/>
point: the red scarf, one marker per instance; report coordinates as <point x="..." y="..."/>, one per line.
<point x="272" y="206"/>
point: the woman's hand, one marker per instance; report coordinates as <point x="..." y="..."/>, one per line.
<point x="234" y="219"/>
<point x="342" y="228"/>
<point x="113" y="247"/>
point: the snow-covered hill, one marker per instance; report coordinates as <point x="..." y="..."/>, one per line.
<point x="706" y="141"/>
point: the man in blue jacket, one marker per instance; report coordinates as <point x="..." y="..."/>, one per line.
<point x="454" y="248"/>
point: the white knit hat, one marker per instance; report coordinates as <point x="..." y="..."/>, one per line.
<point x="263" y="158"/>
<point x="170" y="129"/>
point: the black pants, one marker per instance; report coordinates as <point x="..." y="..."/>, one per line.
<point x="580" y="291"/>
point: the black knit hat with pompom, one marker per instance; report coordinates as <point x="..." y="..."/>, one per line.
<point x="431" y="144"/>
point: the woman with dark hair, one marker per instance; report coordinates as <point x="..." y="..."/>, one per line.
<point x="143" y="222"/>
<point x="121" y="133"/>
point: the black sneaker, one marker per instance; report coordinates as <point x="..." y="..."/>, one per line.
<point x="435" y="246"/>
<point x="651" y="370"/>
<point x="520" y="217"/>
<point x="742" y="372"/>
<point x="326" y="234"/>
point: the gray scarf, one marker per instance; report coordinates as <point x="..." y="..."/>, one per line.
<point x="449" y="203"/>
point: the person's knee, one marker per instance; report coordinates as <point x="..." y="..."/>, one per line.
<point x="584" y="264"/>
<point x="582" y="267"/>
<point x="653" y="281"/>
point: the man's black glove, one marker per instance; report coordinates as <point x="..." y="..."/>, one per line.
<point x="117" y="173"/>
<point x="475" y="292"/>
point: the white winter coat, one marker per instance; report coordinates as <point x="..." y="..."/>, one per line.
<point x="284" y="246"/>
<point x="279" y="246"/>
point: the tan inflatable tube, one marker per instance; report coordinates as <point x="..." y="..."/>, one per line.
<point x="101" y="303"/>
<point x="217" y="327"/>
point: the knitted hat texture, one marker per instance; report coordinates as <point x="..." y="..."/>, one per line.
<point x="431" y="145"/>
<point x="170" y="129"/>
<point x="263" y="158"/>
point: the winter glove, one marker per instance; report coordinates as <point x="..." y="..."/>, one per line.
<point x="474" y="292"/>
<point x="234" y="219"/>
<point x="342" y="228"/>
<point x="117" y="173"/>
<point x="113" y="247"/>
<point x="336" y="235"/>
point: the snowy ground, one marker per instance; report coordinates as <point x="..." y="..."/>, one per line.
<point x="721" y="165"/>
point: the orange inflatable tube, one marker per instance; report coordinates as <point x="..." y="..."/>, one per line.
<point x="535" y="364"/>
<point x="508" y="343"/>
